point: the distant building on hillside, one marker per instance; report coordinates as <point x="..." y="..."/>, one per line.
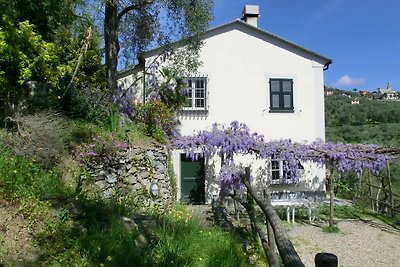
<point x="388" y="93"/>
<point x="363" y="92"/>
<point x="329" y="92"/>
<point x="355" y="102"/>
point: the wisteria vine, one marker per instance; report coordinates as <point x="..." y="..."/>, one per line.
<point x="237" y="139"/>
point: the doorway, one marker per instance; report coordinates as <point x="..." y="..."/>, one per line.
<point x="192" y="180"/>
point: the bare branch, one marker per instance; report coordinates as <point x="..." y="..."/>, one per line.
<point x="139" y="6"/>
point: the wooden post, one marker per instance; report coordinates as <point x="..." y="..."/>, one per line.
<point x="391" y="200"/>
<point x="331" y="193"/>
<point x="377" y="199"/>
<point x="370" y="191"/>
<point x="326" y="260"/>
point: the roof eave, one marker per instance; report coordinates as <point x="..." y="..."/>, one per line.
<point x="323" y="59"/>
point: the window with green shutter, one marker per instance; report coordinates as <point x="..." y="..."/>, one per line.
<point x="281" y="95"/>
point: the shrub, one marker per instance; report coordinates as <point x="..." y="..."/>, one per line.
<point x="156" y="118"/>
<point x="41" y="137"/>
<point x="83" y="103"/>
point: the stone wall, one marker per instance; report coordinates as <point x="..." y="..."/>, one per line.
<point x="129" y="174"/>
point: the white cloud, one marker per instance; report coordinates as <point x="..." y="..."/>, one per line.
<point x="346" y="80"/>
<point x="327" y="9"/>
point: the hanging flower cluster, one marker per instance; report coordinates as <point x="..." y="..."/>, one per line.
<point x="236" y="139"/>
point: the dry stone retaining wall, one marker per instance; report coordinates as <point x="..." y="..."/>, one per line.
<point x="129" y="174"/>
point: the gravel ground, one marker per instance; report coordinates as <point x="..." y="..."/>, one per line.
<point x="357" y="244"/>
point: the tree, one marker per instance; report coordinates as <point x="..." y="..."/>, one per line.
<point x="41" y="48"/>
<point x="139" y="24"/>
<point x="226" y="142"/>
<point x="46" y="15"/>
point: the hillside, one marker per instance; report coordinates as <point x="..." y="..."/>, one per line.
<point x="371" y="121"/>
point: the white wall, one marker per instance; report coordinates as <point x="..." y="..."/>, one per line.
<point x="239" y="62"/>
<point x="239" y="66"/>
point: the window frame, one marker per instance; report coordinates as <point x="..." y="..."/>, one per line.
<point x="281" y="93"/>
<point x="277" y="170"/>
<point x="196" y="93"/>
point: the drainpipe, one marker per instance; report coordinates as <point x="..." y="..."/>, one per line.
<point x="142" y="63"/>
<point x="326" y="66"/>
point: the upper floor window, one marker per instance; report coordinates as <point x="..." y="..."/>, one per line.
<point x="196" y="94"/>
<point x="281" y="95"/>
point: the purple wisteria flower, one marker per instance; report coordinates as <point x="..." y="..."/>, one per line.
<point x="236" y="139"/>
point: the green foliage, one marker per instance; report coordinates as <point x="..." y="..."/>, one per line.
<point x="23" y="177"/>
<point x="25" y="56"/>
<point x="114" y="118"/>
<point x="157" y="23"/>
<point x="107" y="240"/>
<point x="79" y="104"/>
<point x="171" y="90"/>
<point x="380" y="133"/>
<point x="346" y="186"/>
<point x="331" y="229"/>
<point x="156" y="118"/>
<point x="83" y="95"/>
<point x="172" y="178"/>
<point x="372" y="121"/>
<point x="38" y="46"/>
<point x="344" y="212"/>
<point x="101" y="237"/>
<point x="339" y="111"/>
<point x="47" y="15"/>
<point x="182" y="241"/>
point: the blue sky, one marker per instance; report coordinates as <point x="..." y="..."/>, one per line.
<point x="361" y="36"/>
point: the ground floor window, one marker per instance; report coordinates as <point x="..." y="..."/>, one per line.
<point x="280" y="172"/>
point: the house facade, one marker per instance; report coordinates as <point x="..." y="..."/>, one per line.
<point x="252" y="76"/>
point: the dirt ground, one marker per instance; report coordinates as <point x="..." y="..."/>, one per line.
<point x="16" y="236"/>
<point x="357" y="244"/>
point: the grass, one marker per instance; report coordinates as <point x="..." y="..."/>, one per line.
<point x="100" y="238"/>
<point x="331" y="229"/>
<point x="182" y="241"/>
<point x="344" y="212"/>
<point x="24" y="177"/>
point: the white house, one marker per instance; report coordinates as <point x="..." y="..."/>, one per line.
<point x="388" y="93"/>
<point x="252" y="76"/>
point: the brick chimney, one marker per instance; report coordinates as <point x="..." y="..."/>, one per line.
<point x="250" y="14"/>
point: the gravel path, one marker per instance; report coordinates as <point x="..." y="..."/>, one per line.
<point x="357" y="244"/>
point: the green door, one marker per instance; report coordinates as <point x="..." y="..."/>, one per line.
<point x="192" y="180"/>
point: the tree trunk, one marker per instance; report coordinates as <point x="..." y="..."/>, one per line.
<point x="286" y="250"/>
<point x="270" y="252"/>
<point x="271" y="236"/>
<point x="111" y="43"/>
